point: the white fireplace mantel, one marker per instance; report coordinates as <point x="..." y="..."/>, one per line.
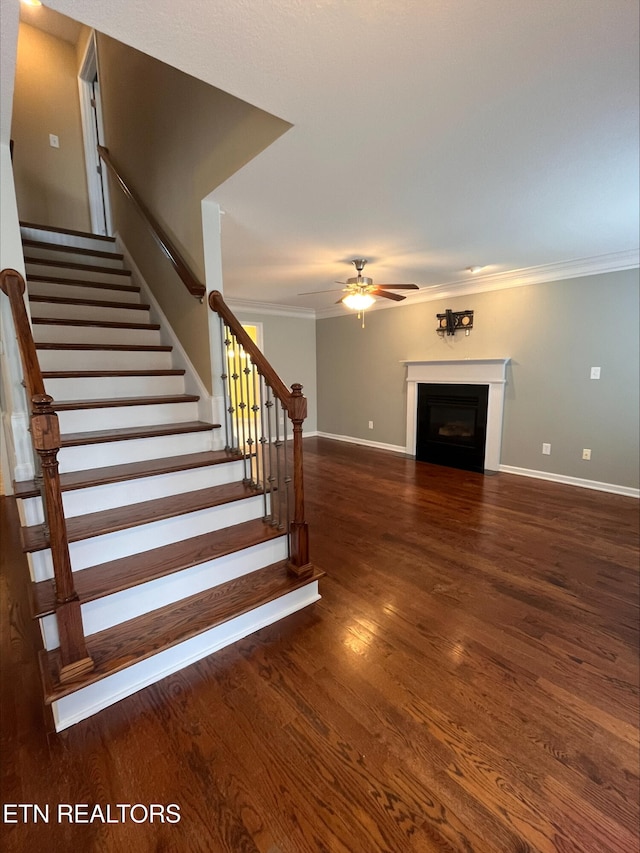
<point x="463" y="371"/>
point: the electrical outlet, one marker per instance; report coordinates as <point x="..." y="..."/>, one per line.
<point x="54" y="142"/>
<point x="546" y="449"/>
<point x="586" y="454"/>
<point x="370" y="424"/>
<point x="595" y="373"/>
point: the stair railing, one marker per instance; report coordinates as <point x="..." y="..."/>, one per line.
<point x="45" y="437"/>
<point x="257" y="405"/>
<point x="256" y="400"/>
<point x="189" y="280"/>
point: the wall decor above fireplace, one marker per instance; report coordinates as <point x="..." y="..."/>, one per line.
<point x="454" y="321"/>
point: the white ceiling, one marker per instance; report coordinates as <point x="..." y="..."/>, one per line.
<point x="429" y="135"/>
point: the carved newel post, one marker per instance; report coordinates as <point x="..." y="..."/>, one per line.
<point x="45" y="432"/>
<point x="299" y="563"/>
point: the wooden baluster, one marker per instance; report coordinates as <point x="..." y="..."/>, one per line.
<point x="299" y="562"/>
<point x="45" y="432"/>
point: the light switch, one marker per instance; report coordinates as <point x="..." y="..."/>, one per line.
<point x="54" y="142"/>
<point x="595" y="373"/>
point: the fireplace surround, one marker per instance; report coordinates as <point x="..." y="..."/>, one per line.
<point x="488" y="372"/>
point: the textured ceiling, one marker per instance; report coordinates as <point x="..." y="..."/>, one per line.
<point x="428" y="135"/>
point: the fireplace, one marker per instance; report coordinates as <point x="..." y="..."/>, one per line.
<point x="460" y="374"/>
<point x="452" y="425"/>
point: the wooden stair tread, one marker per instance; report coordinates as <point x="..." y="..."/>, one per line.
<point x="55" y="230"/>
<point x="126" y="572"/>
<point x="128" y="471"/>
<point x="70" y="405"/>
<point x="94" y="303"/>
<point x="96" y="374"/>
<point x="103" y="324"/>
<point x="69" y="265"/>
<point x="73" y="439"/>
<point x="123" y="645"/>
<point x="30" y="243"/>
<point x="92" y="524"/>
<point x="103" y="285"/>
<point x="118" y="347"/>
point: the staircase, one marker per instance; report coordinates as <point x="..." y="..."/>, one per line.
<point x="170" y="546"/>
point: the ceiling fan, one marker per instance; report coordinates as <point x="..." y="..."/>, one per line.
<point x="361" y="291"/>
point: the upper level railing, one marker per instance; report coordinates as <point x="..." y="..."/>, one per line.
<point x="45" y="436"/>
<point x="192" y="284"/>
<point x="256" y="402"/>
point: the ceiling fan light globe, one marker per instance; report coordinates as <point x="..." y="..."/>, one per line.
<point x="358" y="301"/>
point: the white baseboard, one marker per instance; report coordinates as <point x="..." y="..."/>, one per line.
<point x="572" y="481"/>
<point x="378" y="445"/>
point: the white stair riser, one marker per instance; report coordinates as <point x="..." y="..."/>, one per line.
<point x="67" y="239"/>
<point x="119" y="417"/>
<point x="57" y="334"/>
<point x="104" y="360"/>
<point x="98" y="498"/>
<point x="63" y="311"/>
<point x="83" y="291"/>
<point x="83" y="703"/>
<point x="145" y="537"/>
<point x="130" y="603"/>
<point x="112" y="387"/>
<point x="80" y="274"/>
<point x="68" y="255"/>
<point x="87" y="456"/>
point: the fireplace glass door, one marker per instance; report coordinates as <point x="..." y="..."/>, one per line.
<point x="452" y="425"/>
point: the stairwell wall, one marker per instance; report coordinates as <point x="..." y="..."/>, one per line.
<point x="51" y="184"/>
<point x="175" y="138"/>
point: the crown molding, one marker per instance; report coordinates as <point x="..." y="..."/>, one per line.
<point x="561" y="271"/>
<point x="246" y="306"/>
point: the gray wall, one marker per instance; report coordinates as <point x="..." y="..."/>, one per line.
<point x="290" y="345"/>
<point x="553" y="332"/>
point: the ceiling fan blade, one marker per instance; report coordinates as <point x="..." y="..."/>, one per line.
<point x="312" y="292"/>
<point x="395" y="296"/>
<point x="399" y="286"/>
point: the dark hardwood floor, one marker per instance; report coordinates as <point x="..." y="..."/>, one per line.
<point x="469" y="682"/>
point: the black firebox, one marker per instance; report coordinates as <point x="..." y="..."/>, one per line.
<point x="452" y="425"/>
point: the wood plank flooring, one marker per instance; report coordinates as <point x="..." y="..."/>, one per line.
<point x="469" y="682"/>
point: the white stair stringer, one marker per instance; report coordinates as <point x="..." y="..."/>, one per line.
<point x="95" y="697"/>
<point x="126" y="604"/>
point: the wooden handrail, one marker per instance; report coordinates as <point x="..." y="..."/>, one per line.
<point x="190" y="281"/>
<point x="217" y="304"/>
<point x="45" y="435"/>
<point x="295" y="404"/>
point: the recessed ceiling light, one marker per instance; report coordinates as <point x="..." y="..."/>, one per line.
<point x="32" y="2"/>
<point x="474" y="270"/>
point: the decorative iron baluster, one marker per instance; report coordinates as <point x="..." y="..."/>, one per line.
<point x="264" y="414"/>
<point x="255" y="408"/>
<point x="271" y="478"/>
<point x="279" y="477"/>
<point x="224" y="343"/>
